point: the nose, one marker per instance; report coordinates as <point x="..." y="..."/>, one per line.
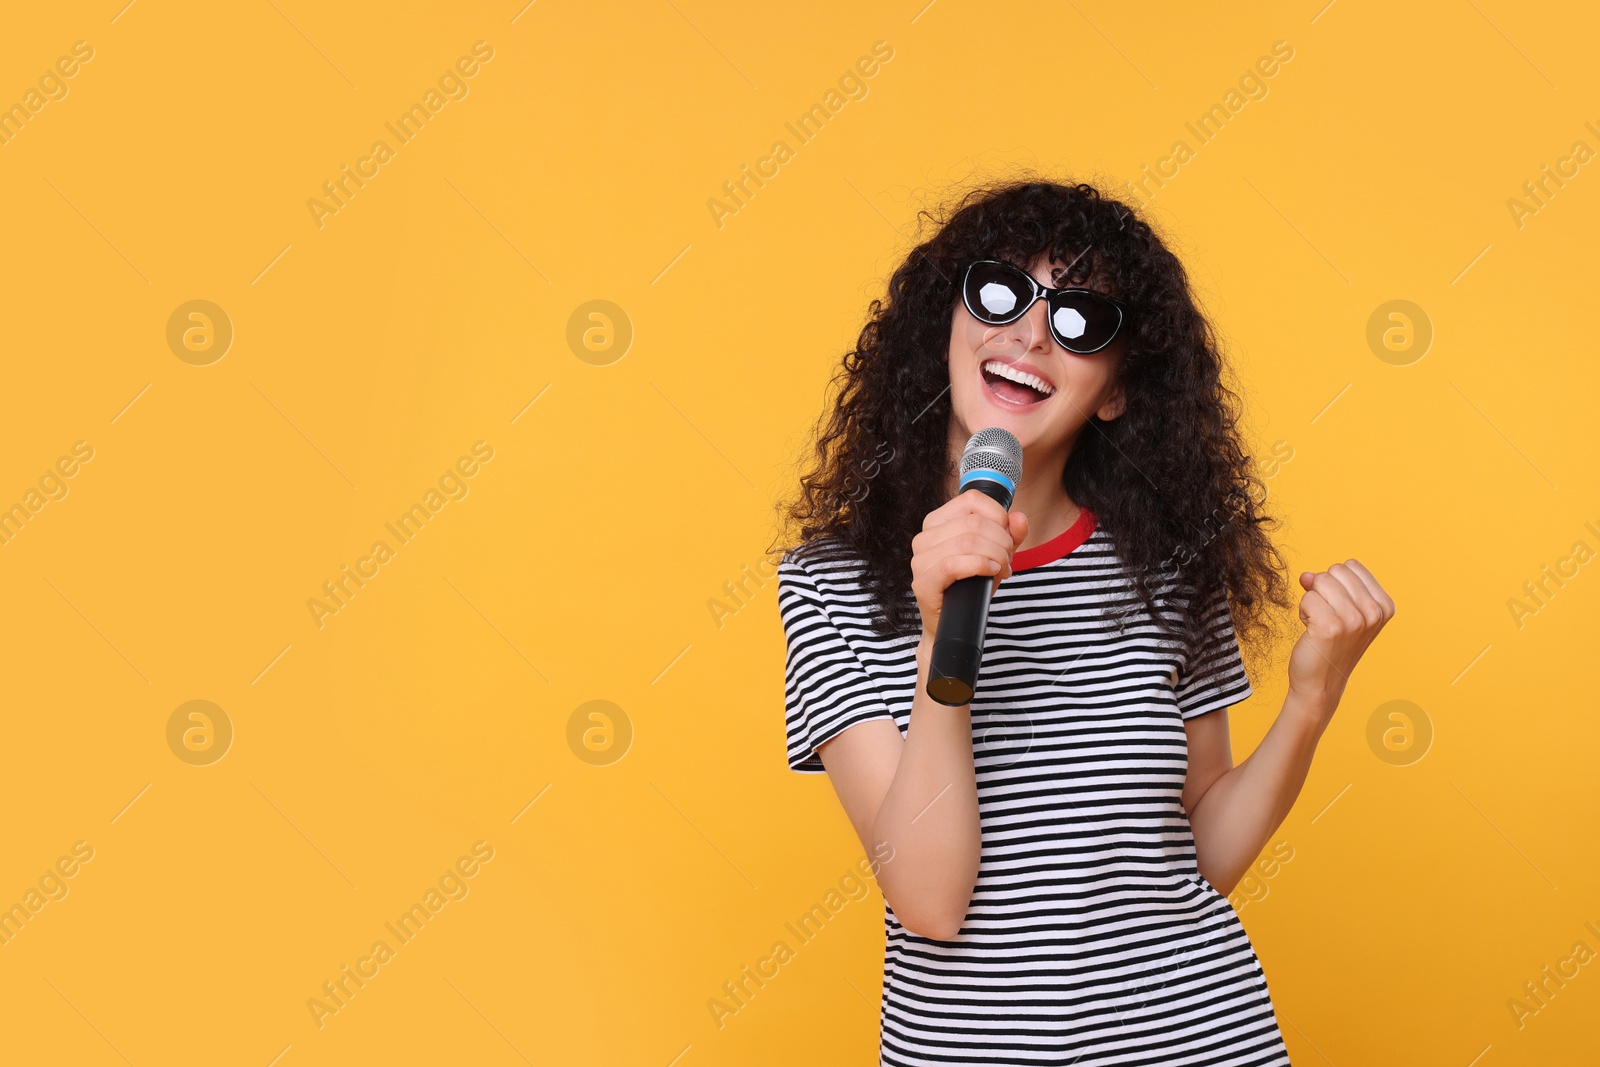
<point x="1033" y="328"/>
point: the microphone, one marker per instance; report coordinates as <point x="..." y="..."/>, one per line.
<point x="992" y="464"/>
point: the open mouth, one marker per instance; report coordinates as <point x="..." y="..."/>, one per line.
<point x="1014" y="387"/>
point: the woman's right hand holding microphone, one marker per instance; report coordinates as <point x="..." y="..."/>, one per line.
<point x="971" y="534"/>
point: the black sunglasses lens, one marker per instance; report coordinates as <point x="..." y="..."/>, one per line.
<point x="996" y="293"/>
<point x="1083" y="322"/>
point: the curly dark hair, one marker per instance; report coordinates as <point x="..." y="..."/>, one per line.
<point x="1169" y="479"/>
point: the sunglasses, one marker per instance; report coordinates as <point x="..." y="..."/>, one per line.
<point x="1081" y="320"/>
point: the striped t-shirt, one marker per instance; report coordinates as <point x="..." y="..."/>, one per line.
<point x="1091" y="937"/>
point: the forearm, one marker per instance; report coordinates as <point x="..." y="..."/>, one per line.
<point x="1241" y="810"/>
<point x="929" y="817"/>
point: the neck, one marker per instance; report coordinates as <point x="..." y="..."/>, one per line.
<point x="1043" y="499"/>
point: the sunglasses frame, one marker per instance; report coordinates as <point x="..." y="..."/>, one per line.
<point x="1124" y="313"/>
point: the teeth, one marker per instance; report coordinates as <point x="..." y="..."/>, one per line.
<point x="1003" y="370"/>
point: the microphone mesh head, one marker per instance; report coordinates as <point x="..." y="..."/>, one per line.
<point x="993" y="448"/>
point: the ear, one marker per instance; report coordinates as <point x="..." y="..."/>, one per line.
<point x="1114" y="406"/>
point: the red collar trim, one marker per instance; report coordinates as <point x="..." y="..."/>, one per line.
<point x="1056" y="547"/>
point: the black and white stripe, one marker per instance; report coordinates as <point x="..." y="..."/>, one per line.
<point x="1091" y="938"/>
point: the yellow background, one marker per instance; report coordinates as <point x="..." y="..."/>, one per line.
<point x="371" y="352"/>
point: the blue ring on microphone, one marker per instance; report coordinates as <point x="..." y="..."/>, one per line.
<point x="987" y="474"/>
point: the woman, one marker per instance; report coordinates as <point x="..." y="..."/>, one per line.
<point x="1055" y="857"/>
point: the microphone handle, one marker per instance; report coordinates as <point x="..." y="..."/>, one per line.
<point x="953" y="667"/>
<point x="963" y="618"/>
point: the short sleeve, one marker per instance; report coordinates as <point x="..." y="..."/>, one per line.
<point x="1216" y="678"/>
<point x="826" y="688"/>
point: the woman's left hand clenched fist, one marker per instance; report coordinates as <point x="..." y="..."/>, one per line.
<point x="1343" y="609"/>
